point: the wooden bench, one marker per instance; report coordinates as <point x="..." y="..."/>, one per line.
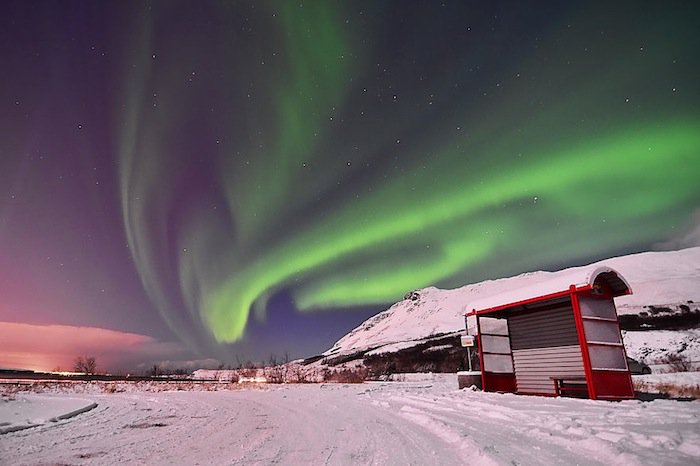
<point x="571" y="386"/>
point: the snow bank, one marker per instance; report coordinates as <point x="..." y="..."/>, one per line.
<point x="681" y="379"/>
<point x="24" y="411"/>
<point x="676" y="384"/>
<point x="222" y="375"/>
<point x="652" y="346"/>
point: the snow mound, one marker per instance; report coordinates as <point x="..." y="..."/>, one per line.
<point x="653" y="346"/>
<point x="650" y="382"/>
<point x="657" y="279"/>
<point x="25" y="411"/>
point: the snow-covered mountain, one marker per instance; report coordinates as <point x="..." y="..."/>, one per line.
<point x="662" y="279"/>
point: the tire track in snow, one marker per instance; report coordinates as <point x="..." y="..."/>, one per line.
<point x="293" y="425"/>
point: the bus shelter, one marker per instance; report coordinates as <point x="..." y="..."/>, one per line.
<point x="557" y="338"/>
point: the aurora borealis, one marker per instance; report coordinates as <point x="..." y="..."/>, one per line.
<point x="251" y="178"/>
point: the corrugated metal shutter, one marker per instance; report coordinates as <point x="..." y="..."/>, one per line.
<point x="545" y="345"/>
<point x="542" y="329"/>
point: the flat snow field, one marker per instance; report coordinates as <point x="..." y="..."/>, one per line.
<point x="427" y="422"/>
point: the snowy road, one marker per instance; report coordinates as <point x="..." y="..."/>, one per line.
<point x="393" y="423"/>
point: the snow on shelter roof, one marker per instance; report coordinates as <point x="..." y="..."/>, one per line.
<point x="581" y="278"/>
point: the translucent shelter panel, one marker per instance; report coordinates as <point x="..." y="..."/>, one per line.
<point x="594" y="307"/>
<point x="499" y="363"/>
<point x="607" y="357"/>
<point x="472" y="328"/>
<point x="602" y="331"/>
<point x="492" y="326"/>
<point x="495" y="344"/>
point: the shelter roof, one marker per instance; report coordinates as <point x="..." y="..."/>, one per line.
<point x="582" y="278"/>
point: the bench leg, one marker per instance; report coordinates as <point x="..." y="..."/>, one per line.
<point x="556" y="387"/>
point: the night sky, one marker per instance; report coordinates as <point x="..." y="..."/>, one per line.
<point x="195" y="182"/>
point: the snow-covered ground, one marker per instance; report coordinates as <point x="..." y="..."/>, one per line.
<point x="423" y="421"/>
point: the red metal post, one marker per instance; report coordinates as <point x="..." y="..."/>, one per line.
<point x="481" y="353"/>
<point x="583" y="343"/>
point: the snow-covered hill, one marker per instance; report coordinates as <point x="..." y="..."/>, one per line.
<point x="662" y="279"/>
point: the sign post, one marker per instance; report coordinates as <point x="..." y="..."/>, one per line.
<point x="468" y="342"/>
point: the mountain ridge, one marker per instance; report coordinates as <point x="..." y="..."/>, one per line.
<point x="657" y="278"/>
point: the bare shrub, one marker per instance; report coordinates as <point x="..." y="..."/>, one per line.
<point x="248" y="372"/>
<point x="85" y="364"/>
<point x="296" y="374"/>
<point x="679" y="391"/>
<point x="111" y="388"/>
<point x="355" y="375"/>
<point x="272" y="361"/>
<point x="275" y="374"/>
<point x="677" y="362"/>
<point x="668" y="389"/>
<point x="155" y="371"/>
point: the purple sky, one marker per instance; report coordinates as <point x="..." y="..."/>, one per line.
<point x="205" y="181"/>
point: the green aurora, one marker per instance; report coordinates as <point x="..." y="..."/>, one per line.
<point x="457" y="222"/>
<point x="343" y="203"/>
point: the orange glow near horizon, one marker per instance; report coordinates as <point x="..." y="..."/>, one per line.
<point x="32" y="361"/>
<point x="49" y="347"/>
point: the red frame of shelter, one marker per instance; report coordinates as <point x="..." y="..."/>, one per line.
<point x="606" y="384"/>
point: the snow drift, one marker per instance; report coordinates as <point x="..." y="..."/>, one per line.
<point x="30" y="410"/>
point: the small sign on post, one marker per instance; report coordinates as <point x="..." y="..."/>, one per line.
<point x="467" y="341"/>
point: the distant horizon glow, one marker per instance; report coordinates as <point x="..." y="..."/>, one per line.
<point x="56" y="347"/>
